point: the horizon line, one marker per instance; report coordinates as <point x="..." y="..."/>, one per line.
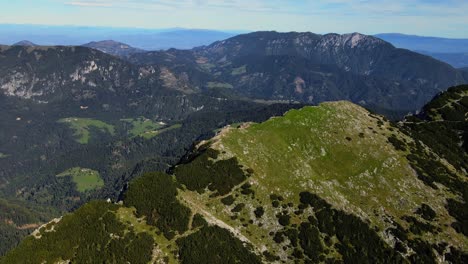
<point x="236" y="31"/>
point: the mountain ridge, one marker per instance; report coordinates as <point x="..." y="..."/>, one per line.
<point x="235" y="188"/>
<point x="73" y="113"/>
<point x="371" y="62"/>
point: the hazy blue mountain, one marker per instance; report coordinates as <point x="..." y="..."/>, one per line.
<point x="451" y="51"/>
<point x="113" y="47"/>
<point x="149" y="39"/>
<point x="26" y="43"/>
<point x="179" y="39"/>
<point x="457" y="60"/>
<point x="428" y="44"/>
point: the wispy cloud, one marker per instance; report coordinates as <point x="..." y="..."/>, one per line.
<point x="234" y="5"/>
<point x="310" y="7"/>
<point x="90" y="4"/>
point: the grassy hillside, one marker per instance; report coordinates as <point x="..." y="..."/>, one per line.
<point x="343" y="155"/>
<point x="330" y="183"/>
<point x="82" y="126"/>
<point x="141" y="126"/>
<point x="85" y="179"/>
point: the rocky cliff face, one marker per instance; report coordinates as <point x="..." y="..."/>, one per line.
<point x="46" y="74"/>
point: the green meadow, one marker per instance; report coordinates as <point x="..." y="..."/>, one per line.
<point x="141" y="126"/>
<point x="153" y="133"/>
<point x="85" y="179"/>
<point x="81" y="127"/>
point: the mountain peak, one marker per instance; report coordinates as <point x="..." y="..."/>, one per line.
<point x="26" y="43"/>
<point x="113" y="47"/>
<point x="107" y="43"/>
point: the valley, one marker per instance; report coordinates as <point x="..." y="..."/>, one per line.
<point x="271" y="147"/>
<point x="325" y="183"/>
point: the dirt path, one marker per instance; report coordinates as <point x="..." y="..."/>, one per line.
<point x="211" y="219"/>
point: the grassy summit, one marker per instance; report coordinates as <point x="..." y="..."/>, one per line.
<point x="338" y="151"/>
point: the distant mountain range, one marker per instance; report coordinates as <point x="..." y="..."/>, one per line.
<point x="148" y="39"/>
<point x="25" y="43"/>
<point x="303" y="67"/>
<point x="457" y="60"/>
<point x="428" y="44"/>
<point x="309" y="68"/>
<point x="66" y="110"/>
<point x="451" y="51"/>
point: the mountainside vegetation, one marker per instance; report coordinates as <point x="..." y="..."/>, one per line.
<point x="79" y="124"/>
<point x="43" y="155"/>
<point x="332" y="183"/>
<point x="63" y="108"/>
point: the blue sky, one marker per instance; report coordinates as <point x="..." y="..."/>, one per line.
<point x="446" y="18"/>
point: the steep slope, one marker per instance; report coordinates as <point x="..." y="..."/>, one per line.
<point x="18" y="219"/>
<point x="330" y="183"/>
<point x="47" y="74"/>
<point x="77" y="124"/>
<point x="312" y="68"/>
<point x="113" y="47"/>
